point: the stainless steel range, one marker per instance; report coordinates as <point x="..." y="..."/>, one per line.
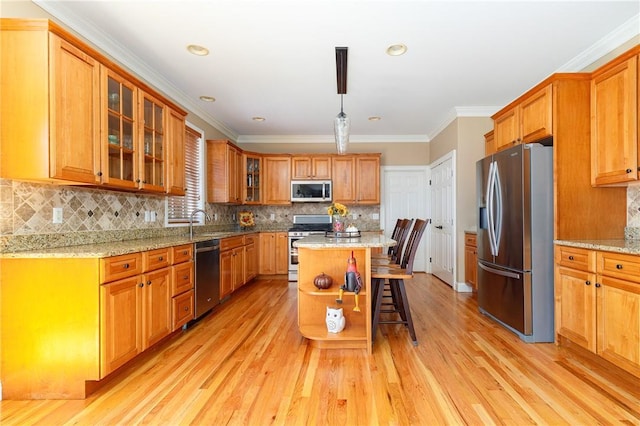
<point x="303" y="226"/>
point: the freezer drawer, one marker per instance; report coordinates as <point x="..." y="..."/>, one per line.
<point x="506" y="296"/>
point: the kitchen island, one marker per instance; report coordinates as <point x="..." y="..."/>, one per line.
<point x="319" y="254"/>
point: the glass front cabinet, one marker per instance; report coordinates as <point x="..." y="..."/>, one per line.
<point x="252" y="179"/>
<point x="119" y="166"/>
<point x="153" y="144"/>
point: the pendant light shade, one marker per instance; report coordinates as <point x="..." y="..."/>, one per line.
<point x="341" y="124"/>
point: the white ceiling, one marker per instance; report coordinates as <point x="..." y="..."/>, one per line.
<point x="276" y="59"/>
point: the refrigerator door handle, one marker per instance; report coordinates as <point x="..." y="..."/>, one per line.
<point x="499" y="271"/>
<point x="498" y="216"/>
<point x="490" y="206"/>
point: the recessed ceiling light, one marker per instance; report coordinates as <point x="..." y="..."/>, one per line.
<point x="396" y="50"/>
<point x="375" y="118"/>
<point x="207" y="98"/>
<point x="198" y="50"/>
<point x="258" y="118"/>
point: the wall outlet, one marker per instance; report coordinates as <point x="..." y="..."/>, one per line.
<point x="272" y="216"/>
<point x="233" y="217"/>
<point x="57" y="215"/>
<point x="215" y="216"/>
<point x="153" y="216"/>
<point x="147" y="216"/>
<point x="375" y="216"/>
<point x="354" y="216"/>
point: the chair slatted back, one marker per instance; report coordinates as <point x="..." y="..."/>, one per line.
<point x="394" y="235"/>
<point x="399" y="248"/>
<point x="412" y="244"/>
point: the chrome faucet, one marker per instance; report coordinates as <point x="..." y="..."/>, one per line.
<point x="193" y="213"/>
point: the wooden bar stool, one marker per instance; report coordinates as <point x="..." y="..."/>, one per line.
<point x="396" y="276"/>
<point x="395" y="252"/>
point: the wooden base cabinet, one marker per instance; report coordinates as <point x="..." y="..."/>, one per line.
<point x="274" y="253"/>
<point x="598" y="303"/>
<point x="81" y="325"/>
<point x="470" y="259"/>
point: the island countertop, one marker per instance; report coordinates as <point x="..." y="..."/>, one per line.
<point x="365" y="241"/>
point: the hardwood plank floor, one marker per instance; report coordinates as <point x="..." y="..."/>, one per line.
<point x="246" y="364"/>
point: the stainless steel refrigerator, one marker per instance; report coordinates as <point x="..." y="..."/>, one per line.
<point x="515" y="240"/>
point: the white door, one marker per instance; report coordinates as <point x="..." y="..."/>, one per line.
<point x="405" y="195"/>
<point x="443" y="211"/>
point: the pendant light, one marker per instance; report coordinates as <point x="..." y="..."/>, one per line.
<point x="341" y="123"/>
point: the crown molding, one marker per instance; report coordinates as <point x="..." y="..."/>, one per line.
<point x="457" y="112"/>
<point x="307" y="139"/>
<point x="103" y="41"/>
<point x="605" y="45"/>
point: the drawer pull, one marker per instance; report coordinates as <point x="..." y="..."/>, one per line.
<point x="587" y="282"/>
<point x="618" y="266"/>
<point x="160" y="258"/>
<point x="125" y="266"/>
<point x="186" y="308"/>
<point x="186" y="277"/>
<point x="185" y="252"/>
<point x="570" y="257"/>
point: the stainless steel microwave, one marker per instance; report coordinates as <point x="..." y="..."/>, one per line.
<point x="310" y="191"/>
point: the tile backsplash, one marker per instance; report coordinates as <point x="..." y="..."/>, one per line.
<point x="93" y="215"/>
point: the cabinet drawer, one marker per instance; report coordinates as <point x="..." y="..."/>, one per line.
<point x="117" y="267"/>
<point x="155" y="259"/>
<point x="470" y="239"/>
<point x="250" y="239"/>
<point x="182" y="309"/>
<point x="182" y="278"/>
<point x="232" y="242"/>
<point x="577" y="258"/>
<point x="182" y="253"/>
<point x="623" y="266"/>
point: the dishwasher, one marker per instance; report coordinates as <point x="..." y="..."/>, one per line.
<point x="207" y="286"/>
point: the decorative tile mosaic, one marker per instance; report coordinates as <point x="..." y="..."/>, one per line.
<point x="633" y="206"/>
<point x="93" y="216"/>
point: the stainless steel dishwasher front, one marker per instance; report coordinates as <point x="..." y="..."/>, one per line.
<point x="207" y="287"/>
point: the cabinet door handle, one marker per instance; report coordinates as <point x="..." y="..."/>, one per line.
<point x="99" y="173"/>
<point x="618" y="266"/>
<point x="149" y="282"/>
<point x="587" y="282"/>
<point x="570" y="257"/>
<point x="141" y="285"/>
<point x="628" y="170"/>
<point x="598" y="285"/>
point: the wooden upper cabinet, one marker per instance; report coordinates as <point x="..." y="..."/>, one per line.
<point x="536" y="115"/>
<point x="489" y="143"/>
<point x="528" y="120"/>
<point x="50" y="109"/>
<point x="614" y="122"/>
<point x="277" y="179"/>
<point x="70" y="115"/>
<point x="224" y="162"/>
<point x="176" y="178"/>
<point x="356" y="179"/>
<point x="252" y="166"/>
<point x="311" y="167"/>
<point x="153" y="149"/>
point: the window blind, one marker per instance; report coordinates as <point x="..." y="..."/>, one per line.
<point x="179" y="208"/>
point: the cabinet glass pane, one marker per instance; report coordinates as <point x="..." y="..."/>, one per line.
<point x="148" y="113"/>
<point x="127" y="166"/>
<point x="148" y="142"/>
<point x="114" y="129"/>
<point x="127" y="134"/>
<point x="159" y="145"/>
<point x="127" y="102"/>
<point x="113" y="94"/>
<point x="158" y="119"/>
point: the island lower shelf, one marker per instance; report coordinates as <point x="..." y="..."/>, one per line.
<point x="313" y="303"/>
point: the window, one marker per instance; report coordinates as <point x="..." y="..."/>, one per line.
<point x="179" y="208"/>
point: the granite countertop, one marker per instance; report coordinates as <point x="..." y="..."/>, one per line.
<point x="116" y="248"/>
<point x="618" y="246"/>
<point x="366" y="240"/>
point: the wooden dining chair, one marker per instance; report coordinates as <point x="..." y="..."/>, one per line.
<point x="395" y="252"/>
<point x="394" y="236"/>
<point x="396" y="275"/>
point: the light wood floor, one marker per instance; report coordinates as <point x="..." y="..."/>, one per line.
<point x="246" y="364"/>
